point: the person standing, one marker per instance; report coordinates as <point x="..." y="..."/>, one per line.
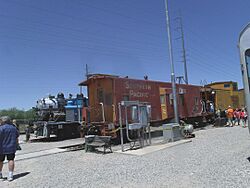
<point x="15" y="124"/>
<point x="243" y="118"/>
<point x="8" y="144"/>
<point x="27" y="132"/>
<point x="218" y="113"/>
<point x="230" y="112"/>
<point x="237" y="116"/>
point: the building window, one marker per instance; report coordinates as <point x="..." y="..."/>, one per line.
<point x="235" y="87"/>
<point x="226" y="85"/>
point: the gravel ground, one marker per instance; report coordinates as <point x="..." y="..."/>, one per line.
<point x="215" y="158"/>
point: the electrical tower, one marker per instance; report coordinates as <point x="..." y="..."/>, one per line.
<point x="183" y="48"/>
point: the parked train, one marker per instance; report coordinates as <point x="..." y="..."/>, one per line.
<point x="99" y="112"/>
<point x="244" y="49"/>
<point x="105" y="92"/>
<point x="59" y="116"/>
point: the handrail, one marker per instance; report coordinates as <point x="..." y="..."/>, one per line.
<point x="103" y="113"/>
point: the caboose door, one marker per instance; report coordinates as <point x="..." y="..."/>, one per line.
<point x="164" y="114"/>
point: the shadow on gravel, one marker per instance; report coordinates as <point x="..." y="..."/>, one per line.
<point x="16" y="176"/>
<point x="73" y="147"/>
<point x="248" y="159"/>
<point x="99" y="151"/>
<point x="52" y="139"/>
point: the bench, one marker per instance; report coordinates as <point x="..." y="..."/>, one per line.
<point x="98" y="141"/>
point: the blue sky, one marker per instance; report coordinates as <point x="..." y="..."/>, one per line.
<point x="44" y="45"/>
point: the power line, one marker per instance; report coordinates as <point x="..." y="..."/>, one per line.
<point x="75" y="48"/>
<point x="203" y="57"/>
<point x="74" y="17"/>
<point x="88" y="19"/>
<point x="76" y="30"/>
<point x="209" y="69"/>
<point x="210" y="54"/>
<point x="116" y="13"/>
<point x="212" y="58"/>
<point x="81" y="41"/>
<point x="48" y="10"/>
<point x="203" y="65"/>
<point x="198" y="37"/>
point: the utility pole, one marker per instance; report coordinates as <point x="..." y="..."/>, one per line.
<point x="183" y="49"/>
<point x="171" y="63"/>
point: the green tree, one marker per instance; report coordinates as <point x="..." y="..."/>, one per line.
<point x="15" y="113"/>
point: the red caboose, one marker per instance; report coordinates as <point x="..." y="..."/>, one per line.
<point x="106" y="91"/>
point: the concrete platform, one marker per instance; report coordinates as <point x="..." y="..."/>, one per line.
<point x="39" y="154"/>
<point x="153" y="148"/>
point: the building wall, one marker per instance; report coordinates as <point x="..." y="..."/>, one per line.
<point x="228" y="86"/>
<point x="227" y="96"/>
<point x="222" y="99"/>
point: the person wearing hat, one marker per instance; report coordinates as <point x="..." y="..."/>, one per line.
<point x="8" y="145"/>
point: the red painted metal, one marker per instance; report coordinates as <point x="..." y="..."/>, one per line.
<point x="110" y="90"/>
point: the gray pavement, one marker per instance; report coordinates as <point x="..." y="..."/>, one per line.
<point x="36" y="146"/>
<point x="215" y="158"/>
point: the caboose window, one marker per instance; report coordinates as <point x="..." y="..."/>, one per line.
<point x="100" y="95"/>
<point x="196" y="101"/>
<point x="182" y="100"/>
<point x="163" y="99"/>
<point x="108" y="99"/>
<point x="247" y="56"/>
<point x="125" y="97"/>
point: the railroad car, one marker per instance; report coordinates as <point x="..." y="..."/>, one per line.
<point x="244" y="49"/>
<point x="227" y="93"/>
<point x="106" y="91"/>
<point x="59" y="116"/>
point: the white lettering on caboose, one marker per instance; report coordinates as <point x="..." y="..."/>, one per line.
<point x="137" y="86"/>
<point x="138" y="94"/>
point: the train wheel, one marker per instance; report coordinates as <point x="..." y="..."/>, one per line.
<point x="60" y="134"/>
<point x="185" y="133"/>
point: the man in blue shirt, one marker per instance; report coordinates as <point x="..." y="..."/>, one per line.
<point x="8" y="144"/>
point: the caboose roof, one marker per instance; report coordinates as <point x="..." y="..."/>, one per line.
<point x="96" y="76"/>
<point x="103" y="76"/>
